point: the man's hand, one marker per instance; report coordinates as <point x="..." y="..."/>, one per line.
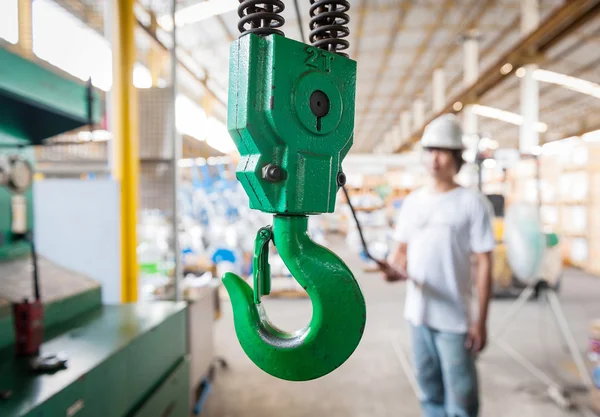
<point x="392" y="274"/>
<point x="476" y="338"/>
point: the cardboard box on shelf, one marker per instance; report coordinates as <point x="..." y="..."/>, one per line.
<point x="594" y="155"/>
<point x="574" y="220"/>
<point x="575" y="251"/>
<point x="594" y="221"/>
<point x="594" y="179"/>
<point x="593" y="262"/>
<point x="550" y="168"/>
<point x="574" y="186"/>
<point x="595" y="399"/>
<point x="525" y="168"/>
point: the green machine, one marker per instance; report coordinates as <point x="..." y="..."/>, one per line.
<point x="62" y="352"/>
<point x="291" y="116"/>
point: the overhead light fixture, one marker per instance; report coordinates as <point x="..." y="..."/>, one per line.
<point x="487" y="143"/>
<point x="469" y="155"/>
<point x="593" y="136"/>
<point x="489" y="163"/>
<point x="505" y="116"/>
<point x="506" y="68"/>
<point x="556" y="147"/>
<point x="521" y="72"/>
<point x="198" y="12"/>
<point x="457" y="106"/>
<point x="572" y="83"/>
<point x="94" y="136"/>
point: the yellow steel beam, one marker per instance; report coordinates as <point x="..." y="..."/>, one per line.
<point x="560" y="24"/>
<point x="25" y="27"/>
<point x="126" y="142"/>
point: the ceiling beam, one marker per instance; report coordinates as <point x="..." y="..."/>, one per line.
<point x="191" y="72"/>
<point x="403" y="10"/>
<point x="563" y="55"/>
<point x="558" y="26"/>
<point x="498" y="39"/>
<point x="95" y="20"/>
<point x="442" y="13"/>
<point x="417" y="30"/>
<point x="452" y="47"/>
<point x="362" y="8"/>
<point x="560" y="104"/>
<point x="87" y="13"/>
<point x="228" y="34"/>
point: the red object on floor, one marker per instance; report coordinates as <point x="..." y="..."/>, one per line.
<point x="29" y="327"/>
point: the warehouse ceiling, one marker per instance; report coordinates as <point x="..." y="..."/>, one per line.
<point x="398" y="44"/>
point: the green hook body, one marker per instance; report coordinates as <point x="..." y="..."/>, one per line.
<point x="338" y="318"/>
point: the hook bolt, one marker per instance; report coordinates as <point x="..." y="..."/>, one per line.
<point x="273" y="173"/>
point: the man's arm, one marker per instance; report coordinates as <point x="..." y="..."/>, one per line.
<point x="397" y="258"/>
<point x="394" y="269"/>
<point x="477" y="337"/>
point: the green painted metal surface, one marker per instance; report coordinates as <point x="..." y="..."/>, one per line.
<point x="36" y="103"/>
<point x="339" y="312"/>
<point x="119" y="357"/>
<point x="40" y="101"/>
<point x="55" y="314"/>
<point x="171" y="398"/>
<point x="270" y="120"/>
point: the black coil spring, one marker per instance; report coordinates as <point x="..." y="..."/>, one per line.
<point x="328" y="25"/>
<point x="261" y="17"/>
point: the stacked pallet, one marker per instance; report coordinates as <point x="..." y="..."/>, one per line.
<point x="593" y="264"/>
<point x="569" y="189"/>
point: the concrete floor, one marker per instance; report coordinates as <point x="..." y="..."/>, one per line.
<point x="373" y="382"/>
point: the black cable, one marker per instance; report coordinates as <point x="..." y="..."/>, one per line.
<point x="360" y="232"/>
<point x="299" y="18"/>
<point x="358" y="226"/>
<point x="36" y="279"/>
<point x="90" y="104"/>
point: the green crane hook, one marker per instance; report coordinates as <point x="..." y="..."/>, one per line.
<point x="339" y="313"/>
<point x="291" y="116"/>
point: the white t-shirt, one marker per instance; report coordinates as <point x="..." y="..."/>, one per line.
<point x="441" y="231"/>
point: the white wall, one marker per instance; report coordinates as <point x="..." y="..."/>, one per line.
<point x="77" y="226"/>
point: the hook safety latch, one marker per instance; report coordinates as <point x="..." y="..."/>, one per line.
<point x="260" y="263"/>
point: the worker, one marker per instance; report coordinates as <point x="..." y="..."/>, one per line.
<point x="440" y="228"/>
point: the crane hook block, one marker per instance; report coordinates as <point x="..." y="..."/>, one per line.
<point x="291" y="116"/>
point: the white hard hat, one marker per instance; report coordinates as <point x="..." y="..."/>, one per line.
<point x="443" y="132"/>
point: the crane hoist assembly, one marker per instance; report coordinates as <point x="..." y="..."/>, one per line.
<point x="291" y="116"/>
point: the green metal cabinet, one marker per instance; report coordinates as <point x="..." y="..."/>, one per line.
<point x="122" y="360"/>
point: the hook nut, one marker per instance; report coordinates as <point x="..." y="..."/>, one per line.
<point x="273" y="173"/>
<point x="341" y="179"/>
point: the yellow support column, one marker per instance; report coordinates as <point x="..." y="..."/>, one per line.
<point x="25" y="27"/>
<point x="126" y="146"/>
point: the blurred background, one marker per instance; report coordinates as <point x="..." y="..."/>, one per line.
<point x="135" y="199"/>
